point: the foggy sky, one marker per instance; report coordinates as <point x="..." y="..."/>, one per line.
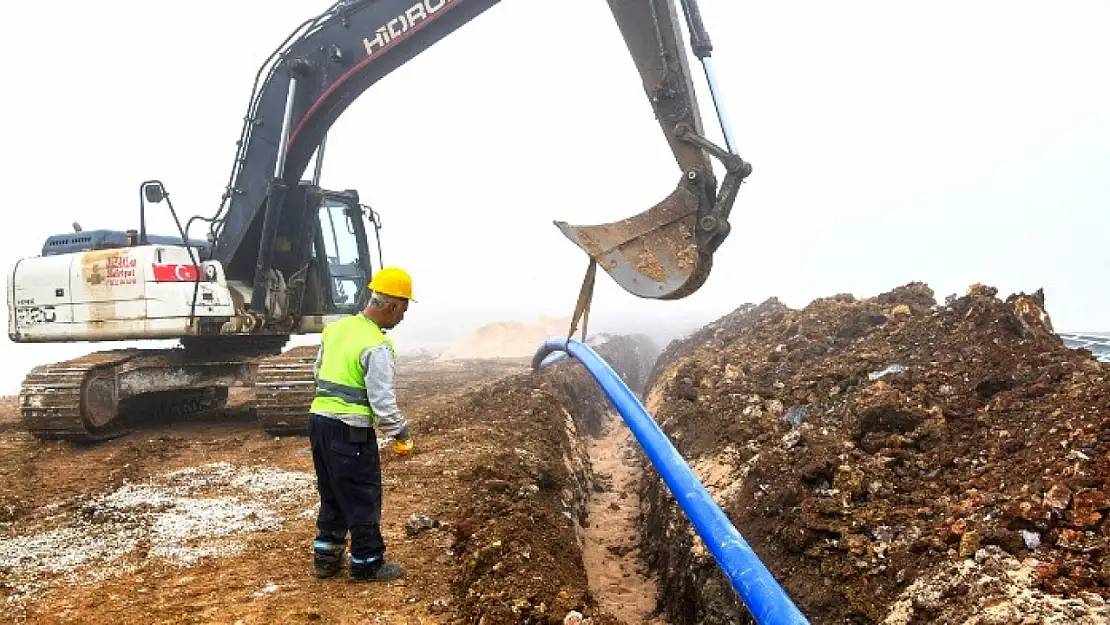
<point x="947" y="142"/>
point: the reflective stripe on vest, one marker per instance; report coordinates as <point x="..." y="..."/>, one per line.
<point x="340" y="387"/>
<point x="349" y="394"/>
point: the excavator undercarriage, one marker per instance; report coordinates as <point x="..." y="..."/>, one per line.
<point x="283" y="391"/>
<point x="110" y="393"/>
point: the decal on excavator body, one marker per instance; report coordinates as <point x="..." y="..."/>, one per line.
<point x="174" y="273"/>
<point x="120" y="270"/>
<point x="413" y="17"/>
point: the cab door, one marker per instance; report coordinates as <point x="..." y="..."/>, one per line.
<point x="342" y="244"/>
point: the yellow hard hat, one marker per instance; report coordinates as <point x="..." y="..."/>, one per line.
<point x="392" y="281"/>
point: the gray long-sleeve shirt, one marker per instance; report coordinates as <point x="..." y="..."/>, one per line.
<point x="379" y="366"/>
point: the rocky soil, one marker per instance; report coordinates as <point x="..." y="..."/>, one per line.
<point x="891" y="460"/>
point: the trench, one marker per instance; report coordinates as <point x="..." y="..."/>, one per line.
<point x="644" y="559"/>
<point x="606" y="465"/>
<point x="610" y="543"/>
<point x="538" y="485"/>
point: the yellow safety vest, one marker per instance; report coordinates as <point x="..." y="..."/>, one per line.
<point x="341" y="384"/>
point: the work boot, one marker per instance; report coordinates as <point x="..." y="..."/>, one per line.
<point x="327" y="558"/>
<point x="375" y="570"/>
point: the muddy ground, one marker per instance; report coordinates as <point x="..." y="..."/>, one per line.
<point x="208" y="520"/>
<point x="892" y="461"/>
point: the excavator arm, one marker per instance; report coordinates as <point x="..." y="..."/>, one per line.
<point x="667" y="251"/>
<point x="328" y="61"/>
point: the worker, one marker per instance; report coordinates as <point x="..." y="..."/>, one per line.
<point x="354" y="394"/>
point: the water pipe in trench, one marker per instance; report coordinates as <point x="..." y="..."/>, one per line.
<point x="761" y="593"/>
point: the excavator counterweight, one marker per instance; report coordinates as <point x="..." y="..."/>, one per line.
<point x="284" y="256"/>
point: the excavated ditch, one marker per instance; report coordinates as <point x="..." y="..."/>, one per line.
<point x="891" y="460"/>
<point x="521" y="513"/>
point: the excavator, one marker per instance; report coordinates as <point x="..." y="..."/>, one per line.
<point x="284" y="257"/>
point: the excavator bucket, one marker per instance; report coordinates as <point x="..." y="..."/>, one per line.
<point x="655" y="254"/>
<point x="667" y="251"/>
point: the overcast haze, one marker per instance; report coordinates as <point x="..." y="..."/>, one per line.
<point x="949" y="142"/>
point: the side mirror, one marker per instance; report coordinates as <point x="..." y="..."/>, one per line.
<point x="154" y="193"/>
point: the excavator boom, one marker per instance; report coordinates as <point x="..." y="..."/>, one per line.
<point x="664" y="252"/>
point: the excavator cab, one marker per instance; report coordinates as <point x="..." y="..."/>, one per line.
<point x="320" y="255"/>
<point x="312" y="260"/>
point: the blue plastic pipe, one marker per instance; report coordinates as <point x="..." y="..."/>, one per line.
<point x="763" y="596"/>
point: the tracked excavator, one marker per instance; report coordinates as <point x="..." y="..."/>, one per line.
<point x="284" y="256"/>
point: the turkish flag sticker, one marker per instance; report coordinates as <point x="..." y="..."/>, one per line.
<point x="175" y="273"/>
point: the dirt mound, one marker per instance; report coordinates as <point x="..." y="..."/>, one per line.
<point x="713" y="334"/>
<point x="891" y="461"/>
<point x="632" y="356"/>
<point x="506" y="339"/>
<point x="519" y="500"/>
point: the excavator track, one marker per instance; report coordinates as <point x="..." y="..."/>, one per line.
<point x="105" y="395"/>
<point x="53" y="402"/>
<point x="284" y="387"/>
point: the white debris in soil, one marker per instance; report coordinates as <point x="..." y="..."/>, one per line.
<point x="275" y="484"/>
<point x="269" y="589"/>
<point x="994" y="588"/>
<point x="179" y="517"/>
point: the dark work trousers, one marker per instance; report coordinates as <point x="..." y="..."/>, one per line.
<point x="349" y="480"/>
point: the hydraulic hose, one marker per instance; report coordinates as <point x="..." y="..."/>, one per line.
<point x="758" y="589"/>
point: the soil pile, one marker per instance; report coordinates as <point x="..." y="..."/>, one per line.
<point x="632" y="356"/>
<point x="891" y="461"/>
<point x="515" y="512"/>
<point x="507" y="339"/>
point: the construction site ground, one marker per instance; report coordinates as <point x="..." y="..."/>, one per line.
<point x="209" y="520"/>
<point x="892" y="460"/>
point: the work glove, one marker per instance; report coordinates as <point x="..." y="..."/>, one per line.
<point x="402" y="447"/>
